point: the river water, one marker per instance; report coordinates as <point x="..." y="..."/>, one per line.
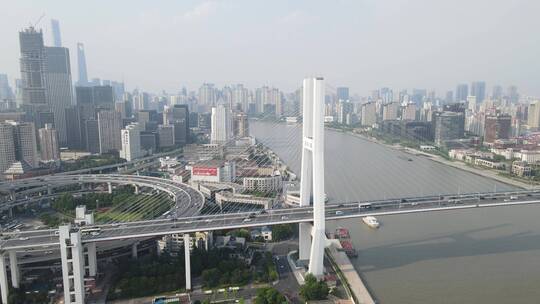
<point x="488" y="255"/>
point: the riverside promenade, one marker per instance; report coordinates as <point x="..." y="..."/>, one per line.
<point x="359" y="290"/>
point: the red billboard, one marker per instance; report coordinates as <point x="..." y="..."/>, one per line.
<point x="204" y="171"/>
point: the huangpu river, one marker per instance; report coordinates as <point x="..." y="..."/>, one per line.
<point x="487" y="255"/>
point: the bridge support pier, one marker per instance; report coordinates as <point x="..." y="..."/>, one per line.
<point x="134" y="252"/>
<point x="109" y="186"/>
<point x="11" y="212"/>
<point x="14" y="267"/>
<point x="136" y="189"/>
<point x="92" y="259"/>
<point x="187" y="260"/>
<point x="304" y="241"/>
<point x="312" y="179"/>
<point x="4" y="289"/>
<point x="71" y="252"/>
<point x="49" y="189"/>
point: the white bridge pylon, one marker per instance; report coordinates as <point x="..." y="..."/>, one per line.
<point x="312" y="238"/>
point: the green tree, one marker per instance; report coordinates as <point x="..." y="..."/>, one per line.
<point x="313" y="289"/>
<point x="269" y="295"/>
<point x="282" y="232"/>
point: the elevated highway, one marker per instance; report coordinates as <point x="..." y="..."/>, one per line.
<point x="188" y="201"/>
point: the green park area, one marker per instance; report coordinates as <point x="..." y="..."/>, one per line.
<point x="123" y="205"/>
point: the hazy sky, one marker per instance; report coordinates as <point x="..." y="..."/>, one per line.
<point x="363" y="44"/>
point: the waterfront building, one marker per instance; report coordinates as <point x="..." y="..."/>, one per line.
<point x="369" y="114"/>
<point x="497" y="127"/>
<point x="213" y="171"/>
<point x="240" y="125"/>
<point x="448" y="126"/>
<point x="390" y="111"/>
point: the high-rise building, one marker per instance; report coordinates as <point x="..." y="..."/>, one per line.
<point x="478" y="89"/>
<point x="91" y="131"/>
<point x="59" y="87"/>
<point x="512" y="93"/>
<point x="221" y="125"/>
<point x="497" y="127"/>
<point x="81" y="64"/>
<point x="32" y="64"/>
<point x="5" y="89"/>
<point x="109" y="124"/>
<point x="240" y="97"/>
<point x="448" y="126"/>
<point x="49" y="143"/>
<point x="7" y="146"/>
<point x="73" y="129"/>
<point x="240" y="125"/>
<point x="56" y="38"/>
<point x="472" y="103"/>
<point x="409" y="112"/>
<point x="131" y="142"/>
<point x="390" y="111"/>
<point x="165" y="136"/>
<point x="462" y="91"/>
<point x="178" y="116"/>
<point x="207" y="94"/>
<point x="342" y="93"/>
<point x="533" y="118"/>
<point x="497" y="92"/>
<point x="369" y="114"/>
<point x="449" y="97"/>
<point x="18" y="144"/>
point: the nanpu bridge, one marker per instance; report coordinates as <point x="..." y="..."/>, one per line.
<point x="77" y="244"/>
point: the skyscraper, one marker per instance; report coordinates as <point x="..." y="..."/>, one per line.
<point x="221" y="125"/>
<point x="462" y="91"/>
<point x="165" y="136"/>
<point x="109" y="125"/>
<point x="18" y="143"/>
<point x="73" y="129"/>
<point x="81" y="64"/>
<point x="48" y="141"/>
<point x="5" y="89"/>
<point x="497" y="92"/>
<point x="32" y="63"/>
<point x="478" y="89"/>
<point x="56" y="38"/>
<point x="59" y="87"/>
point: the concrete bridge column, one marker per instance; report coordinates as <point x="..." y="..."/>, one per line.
<point x="187" y="260"/>
<point x="49" y="189"/>
<point x="109" y="185"/>
<point x="304" y="241"/>
<point x="4" y="289"/>
<point x="134" y="252"/>
<point x="136" y="189"/>
<point x="14" y="267"/>
<point x="72" y="256"/>
<point x="92" y="259"/>
<point x="12" y="195"/>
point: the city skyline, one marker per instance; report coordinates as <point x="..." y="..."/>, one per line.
<point x="436" y="57"/>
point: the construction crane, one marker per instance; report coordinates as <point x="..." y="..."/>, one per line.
<point x="37" y="22"/>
